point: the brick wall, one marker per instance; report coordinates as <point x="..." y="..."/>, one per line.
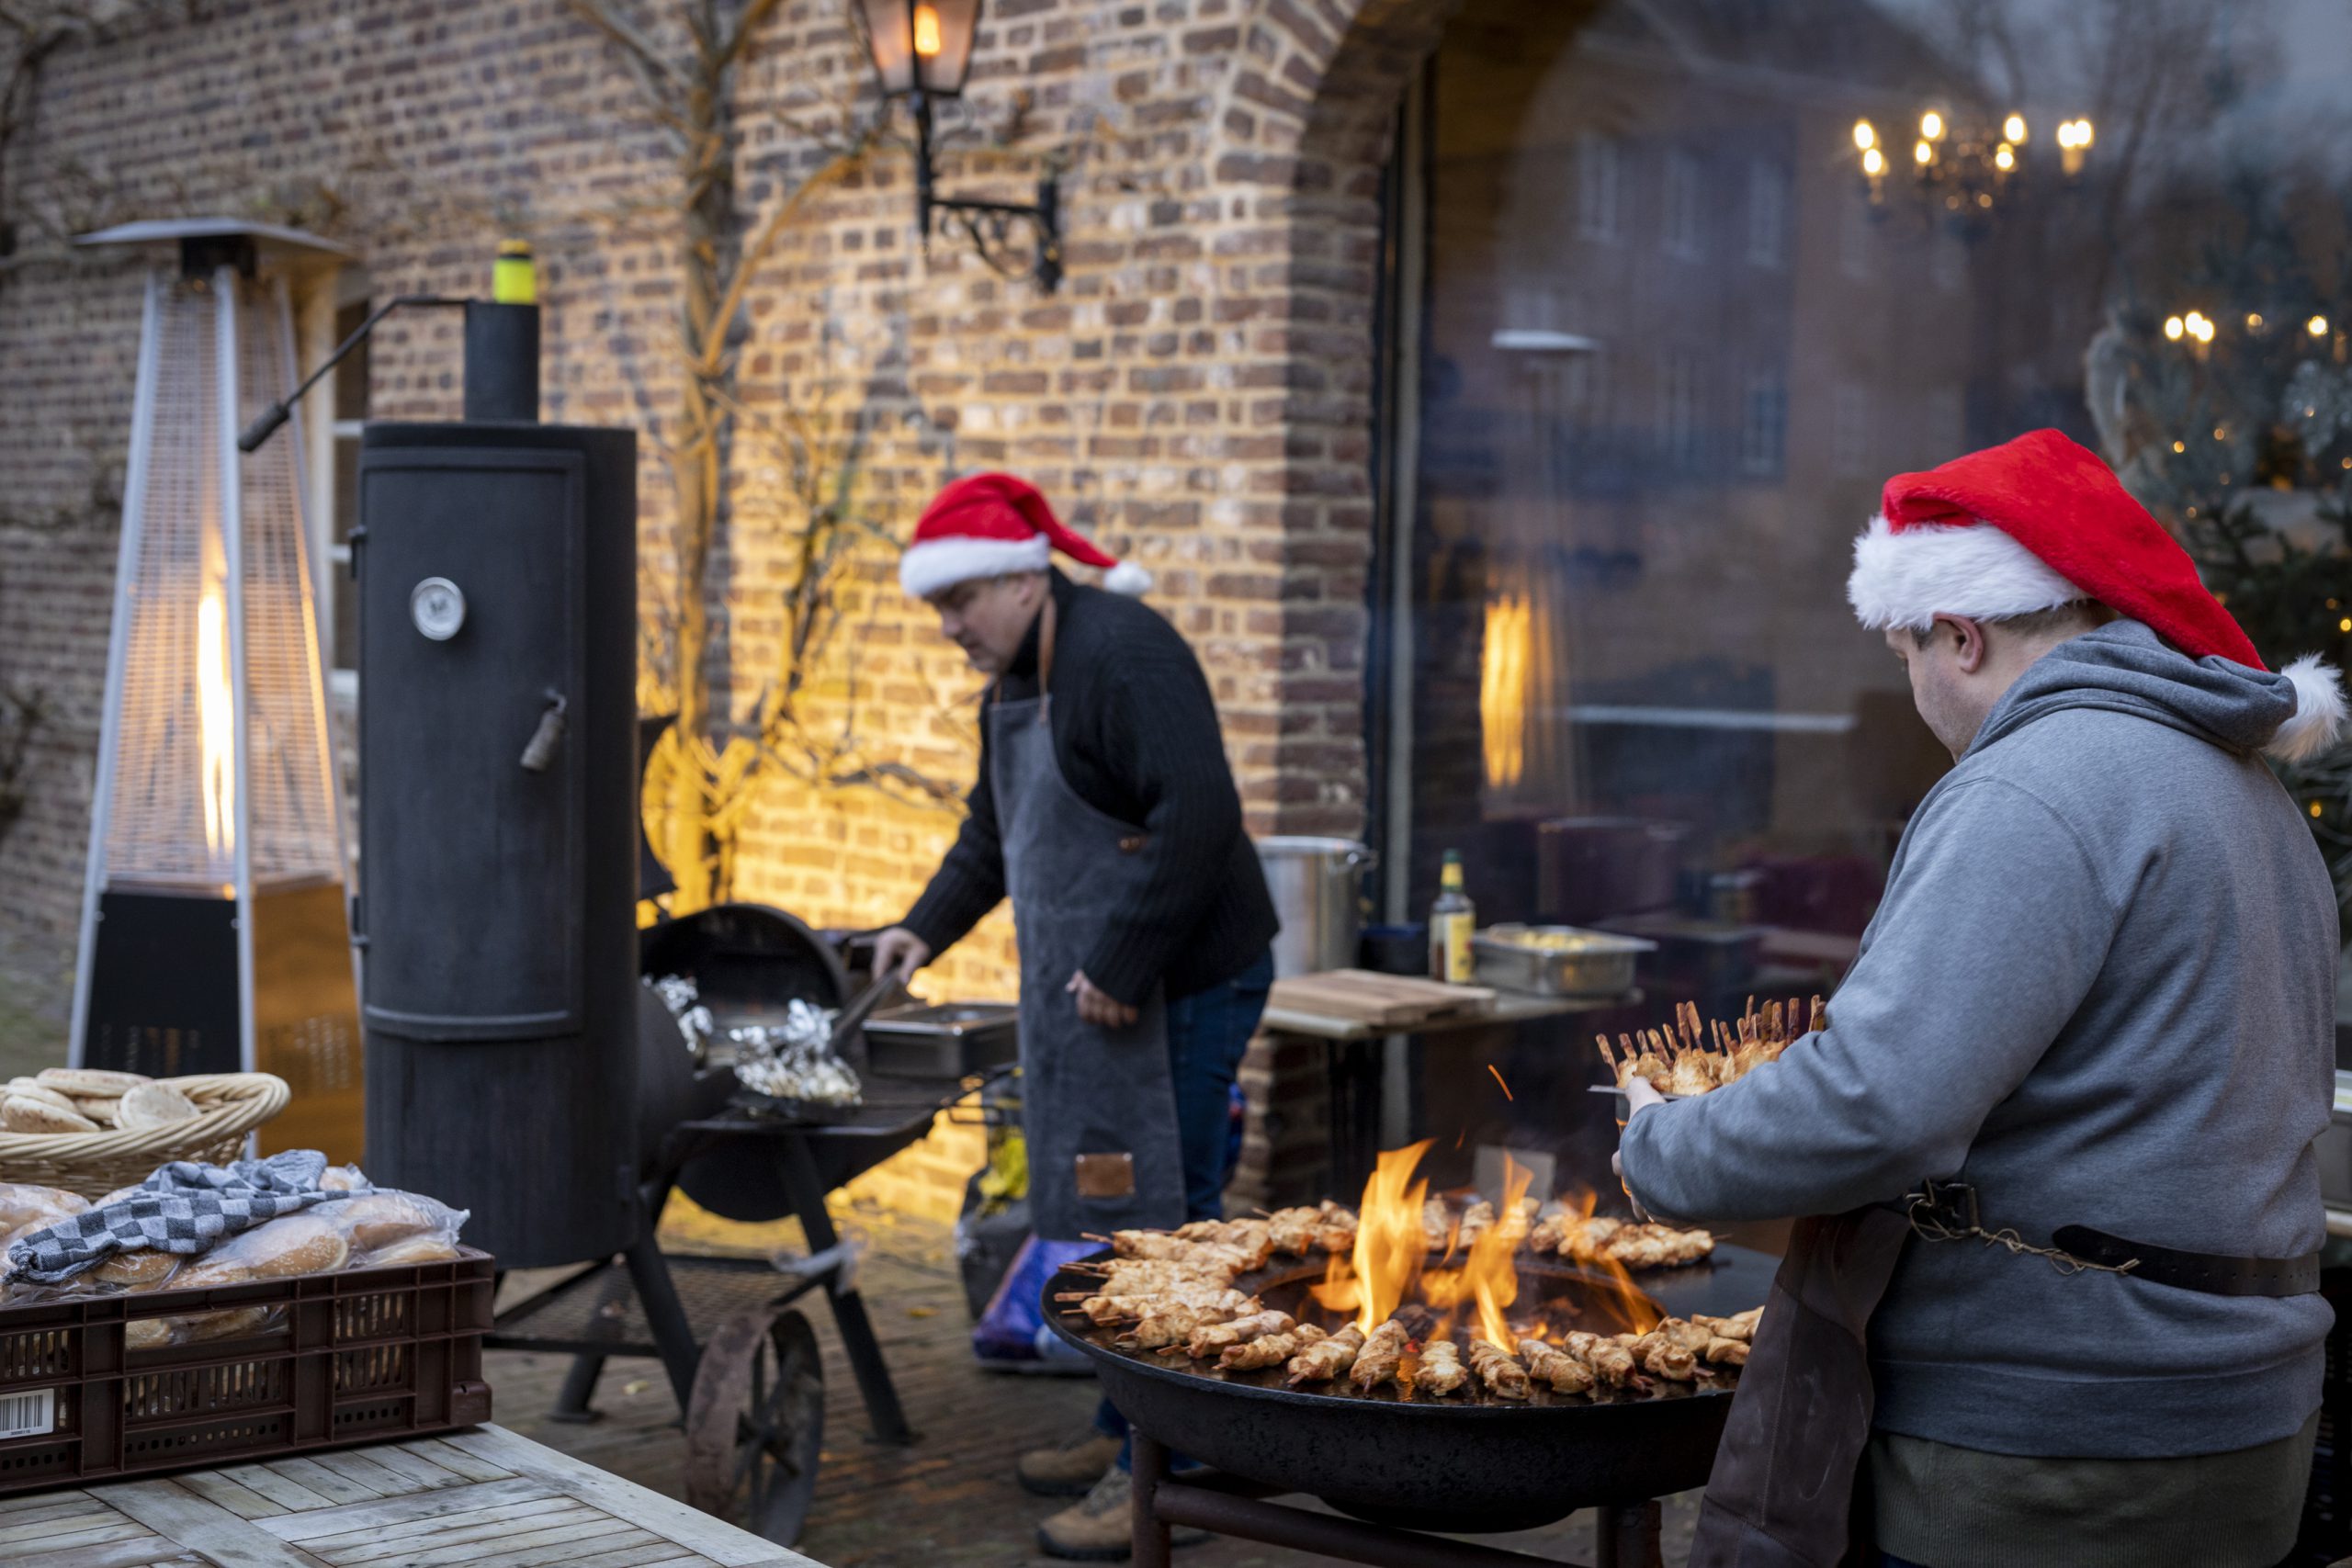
<point x="1197" y="395"/>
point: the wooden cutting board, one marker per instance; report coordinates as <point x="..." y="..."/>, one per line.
<point x="1388" y="1001"/>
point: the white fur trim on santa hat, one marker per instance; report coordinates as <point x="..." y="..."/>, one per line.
<point x="1129" y="579"/>
<point x="2318" y="721"/>
<point x="934" y="564"/>
<point x="1975" y="569"/>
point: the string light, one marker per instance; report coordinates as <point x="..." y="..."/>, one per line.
<point x="2315" y="808"/>
<point x="1931" y="126"/>
<point x="2013" y="127"/>
<point x="1865" y="135"/>
<point x="2316" y="326"/>
<point x="1923" y="153"/>
<point x="2254" y="320"/>
<point x="2174" y="327"/>
<point x="2181" y="445"/>
<point x="1873" y="163"/>
<point x="2004" y="157"/>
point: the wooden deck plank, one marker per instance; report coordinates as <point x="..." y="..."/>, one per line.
<point x="32" y="1502"/>
<point x="451" y="1506"/>
<point x="106" y="1528"/>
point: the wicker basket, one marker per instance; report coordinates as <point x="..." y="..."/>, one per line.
<point x="229" y="1105"/>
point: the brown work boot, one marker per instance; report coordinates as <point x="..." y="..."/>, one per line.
<point x="1102" y="1527"/>
<point x="1070" y="1470"/>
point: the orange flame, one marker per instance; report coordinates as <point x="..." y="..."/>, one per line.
<point x="926" y="31"/>
<point x="215" y="706"/>
<point x="1492" y="1276"/>
<point x="1374" y="1280"/>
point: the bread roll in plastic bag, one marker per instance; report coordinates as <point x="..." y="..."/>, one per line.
<point x="386" y="1228"/>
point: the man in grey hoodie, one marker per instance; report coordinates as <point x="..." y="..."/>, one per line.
<point x="2099" y="992"/>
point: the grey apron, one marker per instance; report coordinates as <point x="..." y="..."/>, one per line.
<point x="1098" y="1106"/>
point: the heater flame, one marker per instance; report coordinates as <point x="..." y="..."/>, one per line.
<point x="1397" y="1258"/>
<point x="215" y="708"/>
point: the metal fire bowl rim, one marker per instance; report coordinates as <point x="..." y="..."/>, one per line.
<point x="1178" y="1369"/>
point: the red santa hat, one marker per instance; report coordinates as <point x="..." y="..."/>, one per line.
<point x="992" y="525"/>
<point x="2039" y="522"/>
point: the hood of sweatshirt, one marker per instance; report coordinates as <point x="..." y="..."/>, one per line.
<point x="2126" y="667"/>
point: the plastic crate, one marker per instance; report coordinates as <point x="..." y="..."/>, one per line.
<point x="354" y="1356"/>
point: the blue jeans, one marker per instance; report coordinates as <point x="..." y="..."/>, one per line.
<point x="1207" y="1033"/>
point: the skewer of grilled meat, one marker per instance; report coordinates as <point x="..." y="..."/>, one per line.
<point x="1160" y="1330"/>
<point x="1271" y="1350"/>
<point x="1384" y="1348"/>
<point x="1504" y="1377"/>
<point x="1564" y="1372"/>
<point x="1211" y="1338"/>
<point x="1323" y="1362"/>
<point x="1103" y="1310"/>
<point x="1442" y="1371"/>
<point x="1612" y="1364"/>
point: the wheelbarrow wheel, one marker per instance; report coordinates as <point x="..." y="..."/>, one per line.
<point x="755" y="1424"/>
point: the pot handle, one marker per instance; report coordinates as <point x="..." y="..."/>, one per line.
<point x="1360" y="859"/>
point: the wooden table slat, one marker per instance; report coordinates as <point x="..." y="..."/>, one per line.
<point x="452" y="1456"/>
<point x="395" y="1542"/>
<point x="35" y="1502"/>
<point x="149" y="1551"/>
<point x="291" y="1495"/>
<point x="451" y="1506"/>
<point x="178" y="1514"/>
<point x="361" y="1470"/>
<point x="664" y="1517"/>
<point x="527" y="1544"/>
<point x="34" y="1523"/>
<point x="404" y="1459"/>
<point x="214" y="1486"/>
<point x="306" y="1471"/>
<point x="98" y="1530"/>
<point x="480" y="1499"/>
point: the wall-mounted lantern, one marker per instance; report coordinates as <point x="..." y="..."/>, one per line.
<point x="922" y="50"/>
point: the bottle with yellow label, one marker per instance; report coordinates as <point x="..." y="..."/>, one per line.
<point x="1452" y="921"/>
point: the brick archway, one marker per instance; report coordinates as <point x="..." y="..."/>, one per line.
<point x="1303" y="129"/>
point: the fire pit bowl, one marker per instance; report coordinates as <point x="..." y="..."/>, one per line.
<point x="1457" y="1466"/>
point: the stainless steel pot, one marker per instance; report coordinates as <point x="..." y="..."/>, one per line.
<point x="1315" y="885"/>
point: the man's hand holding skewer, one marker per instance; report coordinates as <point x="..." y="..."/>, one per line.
<point x="1640" y="1095"/>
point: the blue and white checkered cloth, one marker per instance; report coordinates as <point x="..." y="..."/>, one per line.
<point x="184" y="1207"/>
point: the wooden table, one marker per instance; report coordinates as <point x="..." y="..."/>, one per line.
<point x="1355" y="1069"/>
<point x="483" y="1498"/>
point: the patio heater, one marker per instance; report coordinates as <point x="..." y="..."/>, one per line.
<point x="214" y="936"/>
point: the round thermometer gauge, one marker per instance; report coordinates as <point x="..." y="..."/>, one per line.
<point x="438" y="607"/>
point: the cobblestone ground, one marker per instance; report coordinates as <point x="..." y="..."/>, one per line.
<point x="950" y="1500"/>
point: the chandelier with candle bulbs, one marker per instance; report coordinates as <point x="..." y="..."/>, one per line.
<point x="1960" y="168"/>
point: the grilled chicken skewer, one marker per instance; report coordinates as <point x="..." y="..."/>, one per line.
<point x="1378" y="1361"/>
<point x="1270" y="1350"/>
<point x="1442" y="1371"/>
<point x="1211" y="1338"/>
<point x="1563" y="1372"/>
<point x="1322" y="1362"/>
<point x="1504" y="1378"/>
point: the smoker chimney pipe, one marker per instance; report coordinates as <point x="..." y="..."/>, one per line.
<point x="502" y="362"/>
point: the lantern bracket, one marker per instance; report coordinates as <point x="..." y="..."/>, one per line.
<point x="989" y="225"/>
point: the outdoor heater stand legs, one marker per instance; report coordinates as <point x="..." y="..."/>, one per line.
<point x="1628" y="1536"/>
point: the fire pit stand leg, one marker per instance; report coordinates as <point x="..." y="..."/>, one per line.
<point x="1628" y="1537"/>
<point x="1151" y="1539"/>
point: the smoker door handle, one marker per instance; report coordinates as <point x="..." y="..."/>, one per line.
<point x="539" y="750"/>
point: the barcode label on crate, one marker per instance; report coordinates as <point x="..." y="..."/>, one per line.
<point x="28" y="1415"/>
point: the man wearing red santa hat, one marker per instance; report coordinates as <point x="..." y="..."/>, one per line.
<point x="2060" y="1305"/>
<point x="1106" y="810"/>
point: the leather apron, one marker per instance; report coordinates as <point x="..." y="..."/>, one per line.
<point x="1782" y="1492"/>
<point x="1098" y="1106"/>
